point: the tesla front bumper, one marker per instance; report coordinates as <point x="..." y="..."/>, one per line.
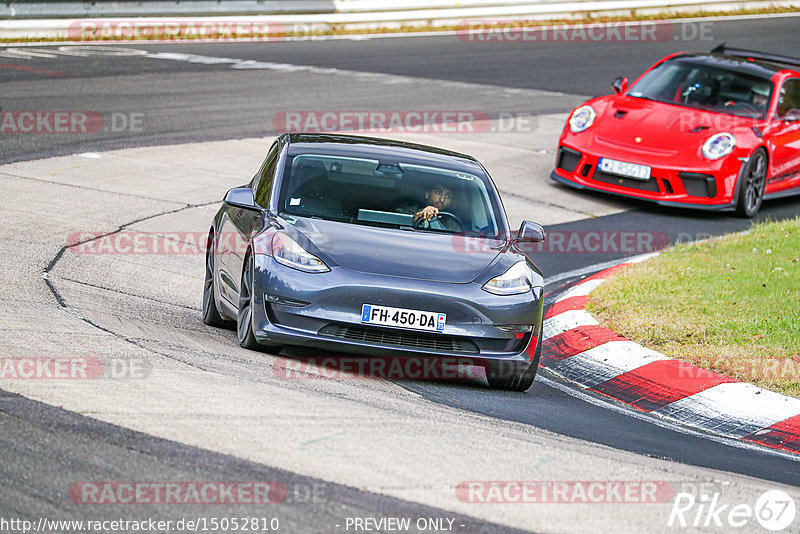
<point x="323" y="310"/>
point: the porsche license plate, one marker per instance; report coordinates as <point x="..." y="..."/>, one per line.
<point x="631" y="170"/>
<point x="402" y="318"/>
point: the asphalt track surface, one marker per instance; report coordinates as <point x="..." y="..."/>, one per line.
<point x="226" y="107"/>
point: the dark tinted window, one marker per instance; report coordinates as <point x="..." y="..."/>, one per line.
<point x="264" y="187"/>
<point x="695" y="84"/>
<point x="789" y="99"/>
<point x="366" y="191"/>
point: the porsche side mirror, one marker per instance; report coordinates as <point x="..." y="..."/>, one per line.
<point x="530" y="232"/>
<point x="620" y="85"/>
<point x="241" y="197"/>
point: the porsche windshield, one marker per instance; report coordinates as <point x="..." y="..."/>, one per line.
<point x="696" y="84"/>
<point x="389" y="194"/>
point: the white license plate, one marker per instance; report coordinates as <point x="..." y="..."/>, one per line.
<point x="631" y="170"/>
<point x="402" y="318"/>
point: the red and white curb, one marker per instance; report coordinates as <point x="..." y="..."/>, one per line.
<point x="579" y="349"/>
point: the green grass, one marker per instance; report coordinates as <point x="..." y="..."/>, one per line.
<point x="584" y="18"/>
<point x="731" y="305"/>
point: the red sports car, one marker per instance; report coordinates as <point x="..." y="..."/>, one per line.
<point x="716" y="131"/>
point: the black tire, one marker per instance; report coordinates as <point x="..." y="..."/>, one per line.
<point x="750" y="184"/>
<point x="505" y="375"/>
<point x="244" y="319"/>
<point x="211" y="314"/>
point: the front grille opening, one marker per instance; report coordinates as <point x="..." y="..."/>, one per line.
<point x="394" y="338"/>
<point x="586" y="170"/>
<point x="699" y="185"/>
<point x="568" y="159"/>
<point x="667" y="186"/>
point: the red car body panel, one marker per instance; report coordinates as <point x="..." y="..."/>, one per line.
<point x="668" y="138"/>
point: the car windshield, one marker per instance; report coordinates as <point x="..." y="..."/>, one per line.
<point x="389" y="194"/>
<point x="695" y="84"/>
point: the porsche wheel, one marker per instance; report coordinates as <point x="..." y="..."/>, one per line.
<point x="751" y="182"/>
<point x="211" y="314"/>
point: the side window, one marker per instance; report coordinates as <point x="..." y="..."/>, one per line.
<point x="267" y="175"/>
<point x="789" y="99"/>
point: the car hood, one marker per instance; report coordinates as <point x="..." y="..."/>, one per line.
<point x="658" y="128"/>
<point x="408" y="254"/>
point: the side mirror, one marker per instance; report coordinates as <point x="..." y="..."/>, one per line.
<point x="620" y="85"/>
<point x="530" y="232"/>
<point x="241" y="197"/>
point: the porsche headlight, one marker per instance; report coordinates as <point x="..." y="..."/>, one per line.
<point x="287" y="252"/>
<point x="581" y="118"/>
<point x="518" y="279"/>
<point x="719" y="145"/>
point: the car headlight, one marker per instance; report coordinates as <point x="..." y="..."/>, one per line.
<point x="287" y="252"/>
<point x="518" y="279"/>
<point x="581" y="118"/>
<point x="719" y="145"/>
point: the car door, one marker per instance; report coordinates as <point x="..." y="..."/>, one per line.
<point x="785" y="138"/>
<point x="240" y="224"/>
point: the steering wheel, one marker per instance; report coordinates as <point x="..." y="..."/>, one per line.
<point x="422" y="223"/>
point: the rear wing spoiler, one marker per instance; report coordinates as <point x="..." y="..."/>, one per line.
<point x="766" y="56"/>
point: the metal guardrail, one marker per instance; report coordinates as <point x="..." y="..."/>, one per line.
<point x="31" y="9"/>
<point x="323" y="15"/>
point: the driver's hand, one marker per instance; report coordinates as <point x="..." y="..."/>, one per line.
<point x="426" y="213"/>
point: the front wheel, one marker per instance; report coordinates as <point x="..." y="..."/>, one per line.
<point x="244" y="319"/>
<point x="506" y="375"/>
<point x="211" y="315"/>
<point x="750" y="183"/>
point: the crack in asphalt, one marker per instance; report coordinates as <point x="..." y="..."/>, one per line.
<point x="87" y="188"/>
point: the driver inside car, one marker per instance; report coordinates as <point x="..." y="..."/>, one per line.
<point x="437" y="199"/>
<point x="759" y="96"/>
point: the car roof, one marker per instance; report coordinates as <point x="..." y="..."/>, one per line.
<point x="756" y="67"/>
<point x="356" y="145"/>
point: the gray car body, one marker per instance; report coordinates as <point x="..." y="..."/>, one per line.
<point x="371" y="265"/>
